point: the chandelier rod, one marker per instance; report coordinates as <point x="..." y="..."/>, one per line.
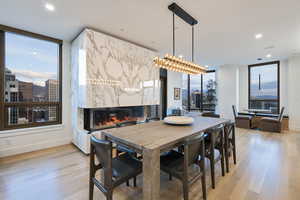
<point x="173" y="34"/>
<point x="192" y="43"/>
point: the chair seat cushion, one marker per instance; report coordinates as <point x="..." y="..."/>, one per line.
<point x="168" y="158"/>
<point x="269" y="119"/>
<point x="125" y="166"/>
<point x="172" y="163"/>
<point x="246" y="117"/>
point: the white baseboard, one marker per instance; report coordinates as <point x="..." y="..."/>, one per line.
<point x="33" y="147"/>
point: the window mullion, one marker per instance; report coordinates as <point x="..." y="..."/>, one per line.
<point x="2" y="70"/>
<point x="201" y="89"/>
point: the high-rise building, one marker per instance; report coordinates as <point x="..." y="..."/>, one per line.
<point x="25" y="91"/>
<point x="52" y="95"/>
<point x="25" y="95"/>
<point x="11" y="95"/>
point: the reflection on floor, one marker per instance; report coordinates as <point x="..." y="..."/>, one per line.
<point x="268" y="169"/>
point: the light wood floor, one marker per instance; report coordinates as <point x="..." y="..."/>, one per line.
<point x="268" y="169"/>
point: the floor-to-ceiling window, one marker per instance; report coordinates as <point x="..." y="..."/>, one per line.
<point x="201" y="93"/>
<point x="185" y="91"/>
<point x="209" y="101"/>
<point x="264" y="86"/>
<point x="195" y="92"/>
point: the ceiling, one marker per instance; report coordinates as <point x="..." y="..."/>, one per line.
<point x="224" y="35"/>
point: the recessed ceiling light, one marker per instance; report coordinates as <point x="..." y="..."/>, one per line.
<point x="258" y="36"/>
<point x="50" y="7"/>
<point x="269" y="56"/>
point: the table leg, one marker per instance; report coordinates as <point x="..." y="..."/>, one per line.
<point x="151" y="174"/>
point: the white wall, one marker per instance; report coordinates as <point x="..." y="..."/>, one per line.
<point x="227" y="79"/>
<point x="294" y="92"/>
<point x="174" y="81"/>
<point x="284" y="85"/>
<point x="242" y="87"/>
<point x="31" y="139"/>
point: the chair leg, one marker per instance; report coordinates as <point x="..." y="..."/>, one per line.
<point x="222" y="162"/>
<point x="203" y="183"/>
<point x="170" y="177"/>
<point x="203" y="178"/>
<point x="134" y="181"/>
<point x="226" y="147"/>
<point x="227" y="159"/>
<point x="91" y="189"/>
<point x="109" y="195"/>
<point x="234" y="154"/>
<point x="127" y="183"/>
<point x="185" y="190"/>
<point x="212" y="172"/>
<point x="222" y="153"/>
<point x="234" y="146"/>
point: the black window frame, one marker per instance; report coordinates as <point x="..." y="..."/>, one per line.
<point x="278" y="81"/>
<point x="201" y="97"/>
<point x="5" y="105"/>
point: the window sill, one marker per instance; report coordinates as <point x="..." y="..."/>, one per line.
<point x="28" y="131"/>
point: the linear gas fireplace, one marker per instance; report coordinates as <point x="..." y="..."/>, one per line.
<point x="103" y="118"/>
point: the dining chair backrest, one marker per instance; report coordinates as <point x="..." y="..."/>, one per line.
<point x="216" y="135"/>
<point x="234" y="111"/>
<point x="102" y="149"/>
<point x="193" y="148"/>
<point x="229" y="129"/>
<point x="280" y="117"/>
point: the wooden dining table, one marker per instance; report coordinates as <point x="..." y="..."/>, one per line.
<point x="153" y="138"/>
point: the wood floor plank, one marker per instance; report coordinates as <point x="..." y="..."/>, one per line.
<point x="268" y="168"/>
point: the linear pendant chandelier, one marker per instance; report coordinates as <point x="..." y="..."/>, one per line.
<point x="171" y="62"/>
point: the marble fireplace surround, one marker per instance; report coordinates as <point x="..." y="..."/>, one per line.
<point x="113" y="73"/>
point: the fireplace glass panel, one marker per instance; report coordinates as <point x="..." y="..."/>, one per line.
<point x="111" y="117"/>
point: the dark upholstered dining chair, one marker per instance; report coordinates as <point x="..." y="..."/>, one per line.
<point x="186" y="166"/>
<point x="116" y="171"/>
<point x="214" y="149"/>
<point x="124" y="149"/>
<point x="229" y="143"/>
<point x="242" y="121"/>
<point x="272" y="124"/>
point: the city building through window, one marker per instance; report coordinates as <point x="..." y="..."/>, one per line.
<point x="199" y="92"/>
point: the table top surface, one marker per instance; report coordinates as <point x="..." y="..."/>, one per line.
<point x="158" y="135"/>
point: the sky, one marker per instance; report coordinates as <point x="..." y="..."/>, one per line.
<point x="30" y="59"/>
<point x="268" y="75"/>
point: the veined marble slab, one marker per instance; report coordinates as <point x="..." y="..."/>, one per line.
<point x="112" y="72"/>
